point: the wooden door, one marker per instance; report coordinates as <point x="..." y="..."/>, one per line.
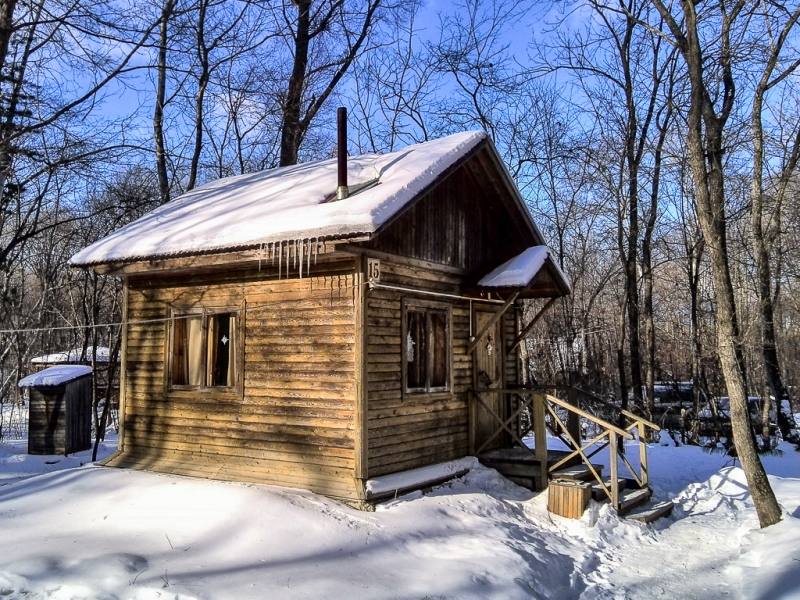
<point x="488" y="373"/>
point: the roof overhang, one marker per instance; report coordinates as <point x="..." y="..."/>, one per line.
<point x="531" y="274"/>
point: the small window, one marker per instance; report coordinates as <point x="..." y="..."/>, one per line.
<point x="426" y="352"/>
<point x="204" y="351"/>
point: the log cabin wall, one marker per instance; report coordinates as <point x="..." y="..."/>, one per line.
<point x="410" y="430"/>
<point x="292" y="422"/>
<point x="405" y="430"/>
<point x="462" y="227"/>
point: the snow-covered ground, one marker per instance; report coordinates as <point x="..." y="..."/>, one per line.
<point x="87" y="532"/>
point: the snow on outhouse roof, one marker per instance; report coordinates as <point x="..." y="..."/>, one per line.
<point x="71" y="356"/>
<point x="283" y="204"/>
<point x="54" y="376"/>
<point x="520" y="270"/>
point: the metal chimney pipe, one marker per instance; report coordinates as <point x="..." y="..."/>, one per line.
<point x="342" y="190"/>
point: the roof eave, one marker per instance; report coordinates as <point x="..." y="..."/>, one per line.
<point x="251" y="253"/>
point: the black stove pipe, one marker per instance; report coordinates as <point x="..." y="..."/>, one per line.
<point x="342" y="190"/>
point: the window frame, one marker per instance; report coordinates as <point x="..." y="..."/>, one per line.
<point x="427" y="307"/>
<point x="206" y="312"/>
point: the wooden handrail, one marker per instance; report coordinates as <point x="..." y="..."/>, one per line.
<point x="638" y="419"/>
<point x="588" y="415"/>
<point x="541" y="400"/>
<point x="561" y="403"/>
<point x="606" y="403"/>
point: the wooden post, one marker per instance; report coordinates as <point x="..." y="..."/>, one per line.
<point x="540" y="436"/>
<point x="612" y="454"/>
<point x="473" y="421"/>
<point x="645" y="475"/>
<point x="123" y="368"/>
<point x="573" y="418"/>
<point x="361" y="424"/>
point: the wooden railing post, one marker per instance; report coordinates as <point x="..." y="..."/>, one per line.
<point x="645" y="475"/>
<point x="573" y="418"/>
<point x="612" y="454"/>
<point x="540" y="436"/>
<point x="473" y="421"/>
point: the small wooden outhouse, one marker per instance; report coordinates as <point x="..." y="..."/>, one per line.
<point x="60" y="410"/>
<point x="283" y="331"/>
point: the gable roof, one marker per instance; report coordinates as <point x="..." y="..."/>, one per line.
<point x="289" y="203"/>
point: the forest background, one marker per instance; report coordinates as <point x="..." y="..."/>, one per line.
<point x="109" y="109"/>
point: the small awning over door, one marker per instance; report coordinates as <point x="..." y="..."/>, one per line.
<point x="532" y="274"/>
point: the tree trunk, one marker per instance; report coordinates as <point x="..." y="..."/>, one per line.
<point x="705" y="142"/>
<point x="695" y="257"/>
<point x="662" y="125"/>
<point x="632" y="159"/>
<point x="7" y="8"/>
<point x="202" y="83"/>
<point x="161" y="94"/>
<point x="291" y="129"/>
<point x="623" y="382"/>
<point x="761" y="252"/>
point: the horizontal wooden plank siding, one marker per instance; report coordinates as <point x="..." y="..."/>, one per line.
<point x="413" y="430"/>
<point x="292" y="424"/>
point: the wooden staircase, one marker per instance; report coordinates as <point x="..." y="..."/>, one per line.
<point x="631" y="497"/>
<point x="535" y="467"/>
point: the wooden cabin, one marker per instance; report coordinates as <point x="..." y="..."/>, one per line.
<point x="281" y="333"/>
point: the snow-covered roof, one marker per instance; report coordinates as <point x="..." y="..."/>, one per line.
<point x="283" y="204"/>
<point x="55" y="376"/>
<point x="72" y="356"/>
<point x="520" y="270"/>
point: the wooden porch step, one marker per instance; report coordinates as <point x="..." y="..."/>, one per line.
<point x="577" y="473"/>
<point x="648" y="514"/>
<point x="520" y="465"/>
<point x="599" y="494"/>
<point x="633" y="499"/>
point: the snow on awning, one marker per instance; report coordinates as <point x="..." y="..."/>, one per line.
<point x="520" y="270"/>
<point x="55" y="376"/>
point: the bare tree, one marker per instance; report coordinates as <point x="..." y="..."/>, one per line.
<point x="776" y="70"/>
<point x="620" y="72"/>
<point x="708" y="115"/>
<point x="317" y="69"/>
<point x="167" y="13"/>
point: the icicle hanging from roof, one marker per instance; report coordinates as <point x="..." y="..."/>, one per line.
<point x="301" y="259"/>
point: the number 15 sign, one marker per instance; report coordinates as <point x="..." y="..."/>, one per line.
<point x="373" y="269"/>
